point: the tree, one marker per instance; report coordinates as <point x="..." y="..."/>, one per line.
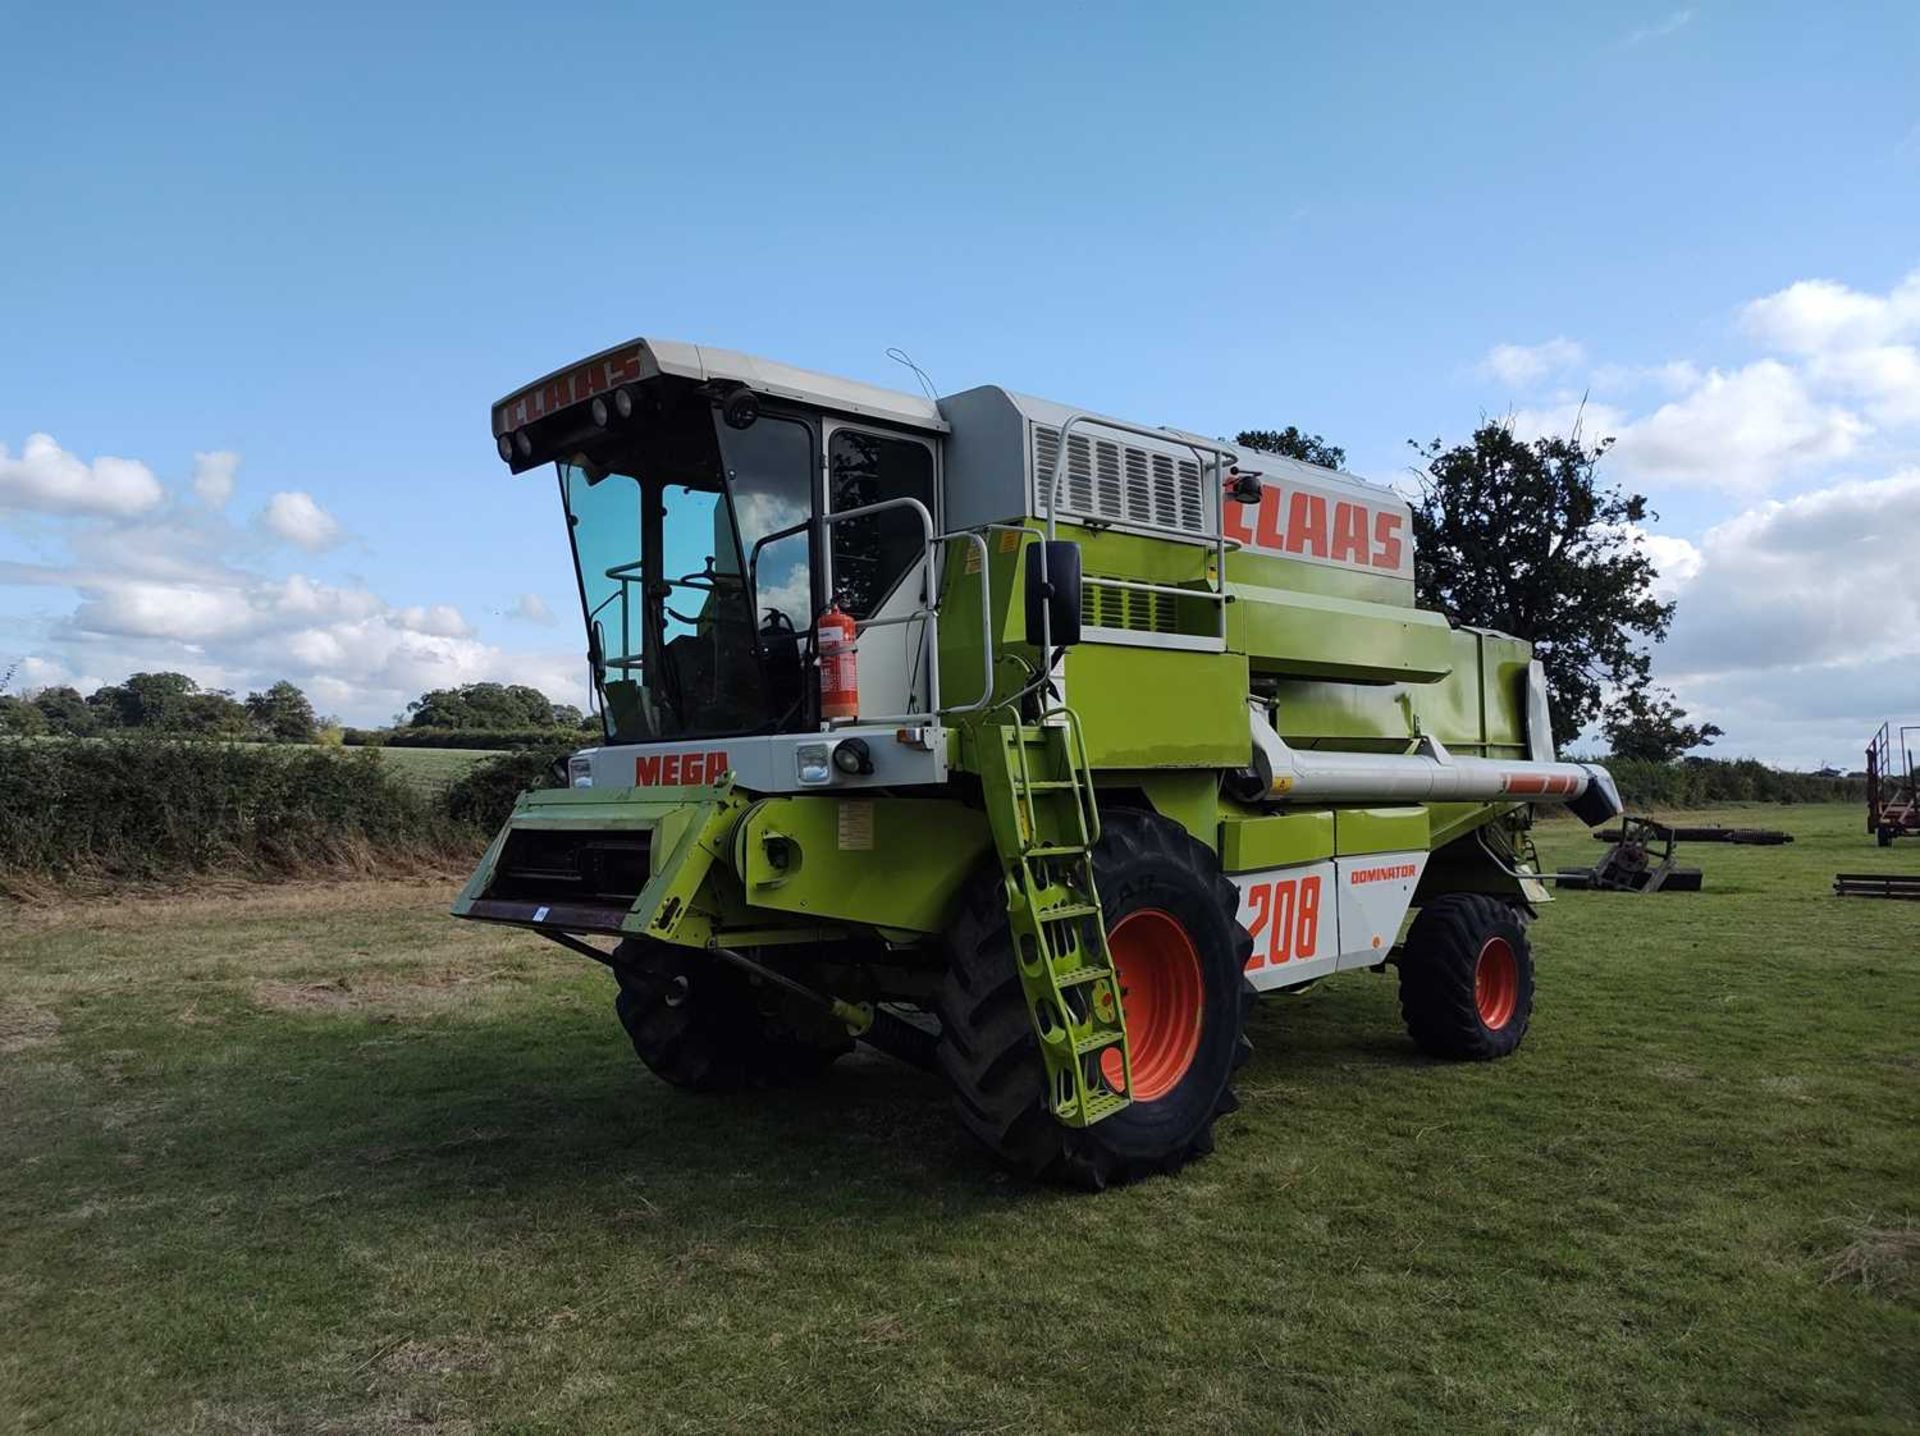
<point x="1647" y="723"/>
<point x="214" y="713"/>
<point x="146" y="700"/>
<point x="64" y="710"/>
<point x="167" y="703"/>
<point x="482" y="705"/>
<point x="1290" y="443"/>
<point x="106" y="704"/>
<point x="19" y="718"/>
<point x="283" y="713"/>
<point x="1522" y="536"/>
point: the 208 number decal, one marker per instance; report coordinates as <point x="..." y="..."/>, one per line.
<point x="1287" y="913"/>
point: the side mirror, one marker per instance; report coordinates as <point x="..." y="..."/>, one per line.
<point x="1053" y="600"/>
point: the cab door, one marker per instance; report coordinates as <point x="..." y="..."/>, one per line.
<point x="877" y="565"/>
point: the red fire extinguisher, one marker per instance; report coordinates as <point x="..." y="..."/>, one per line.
<point x="839" y="671"/>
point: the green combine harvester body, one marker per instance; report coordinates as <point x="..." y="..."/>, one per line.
<point x="1020" y="741"/>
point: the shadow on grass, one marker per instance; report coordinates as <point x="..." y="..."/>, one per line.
<point x="548" y="1104"/>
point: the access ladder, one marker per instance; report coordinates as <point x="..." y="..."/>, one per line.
<point x="1041" y="809"/>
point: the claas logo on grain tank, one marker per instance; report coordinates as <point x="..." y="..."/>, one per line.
<point x="678" y="770"/>
<point x="1299" y="522"/>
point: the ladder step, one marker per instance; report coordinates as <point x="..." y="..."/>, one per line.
<point x="1066" y="911"/>
<point x="1074" y="976"/>
<point x="1104" y="1104"/>
<point x="1049" y="785"/>
<point x="1094" y="1041"/>
<point x="1054" y="850"/>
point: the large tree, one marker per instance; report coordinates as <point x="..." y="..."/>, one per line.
<point x="160" y="701"/>
<point x="64" y="709"/>
<point x="283" y="713"/>
<point x="19" y="718"/>
<point x="482" y="705"/>
<point x="1646" y="723"/>
<point x="1522" y="536"/>
<point x="1291" y="443"/>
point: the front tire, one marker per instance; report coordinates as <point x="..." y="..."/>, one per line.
<point x="1173" y="927"/>
<point x="1466" y="978"/>
<point x="707" y="1027"/>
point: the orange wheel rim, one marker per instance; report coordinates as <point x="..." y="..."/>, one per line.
<point x="1162" y="995"/>
<point x="1496" y="983"/>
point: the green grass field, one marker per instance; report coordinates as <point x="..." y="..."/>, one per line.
<point x="317" y="1159"/>
<point x="430" y="770"/>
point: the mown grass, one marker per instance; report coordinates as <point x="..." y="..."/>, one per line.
<point x="311" y="1159"/>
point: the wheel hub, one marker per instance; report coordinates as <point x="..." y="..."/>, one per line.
<point x="1496" y="982"/>
<point x="1162" y="998"/>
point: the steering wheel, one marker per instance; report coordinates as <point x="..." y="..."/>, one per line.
<point x="707" y="580"/>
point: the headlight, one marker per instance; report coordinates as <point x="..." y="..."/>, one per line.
<point x="580" y="771"/>
<point x="813" y="763"/>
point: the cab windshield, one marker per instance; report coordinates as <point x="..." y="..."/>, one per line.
<point x="694" y="557"/>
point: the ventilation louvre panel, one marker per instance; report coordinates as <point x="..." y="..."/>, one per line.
<point x="1124" y="484"/>
<point x="1121" y="608"/>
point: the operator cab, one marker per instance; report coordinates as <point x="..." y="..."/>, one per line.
<point x="698" y="491"/>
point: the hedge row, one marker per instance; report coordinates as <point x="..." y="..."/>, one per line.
<point x="139" y="808"/>
<point x="130" y="808"/>
<point x="500" y="738"/>
<point x="1708" y="782"/>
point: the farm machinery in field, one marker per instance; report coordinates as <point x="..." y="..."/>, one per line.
<point x="1021" y="741"/>
<point x="1893" y="785"/>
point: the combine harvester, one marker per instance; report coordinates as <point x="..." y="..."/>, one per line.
<point x="1017" y="740"/>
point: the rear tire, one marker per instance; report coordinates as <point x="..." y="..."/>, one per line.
<point x="707" y="1027"/>
<point x="1185" y="911"/>
<point x="1466" y="978"/>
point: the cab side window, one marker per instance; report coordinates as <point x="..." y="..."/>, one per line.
<point x="870" y="555"/>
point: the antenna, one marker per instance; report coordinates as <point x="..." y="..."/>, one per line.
<point x="900" y="356"/>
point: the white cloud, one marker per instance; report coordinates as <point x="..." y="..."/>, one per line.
<point x="37" y="671"/>
<point x="1676" y="376"/>
<point x="1568" y="417"/>
<point x="1844" y="370"/>
<point x="442" y="620"/>
<point x="353" y="651"/>
<point x="295" y="517"/>
<point x="1882" y="378"/>
<point x="213" y="476"/>
<point x="184" y="613"/>
<point x="1818" y="316"/>
<point x="1798" y="626"/>
<point x="45" y="478"/>
<point x="1520" y="366"/>
<point x="1677" y="561"/>
<point x="1741" y="431"/>
<point x="180" y="586"/>
<point x="1657" y="30"/>
<point x="532" y="608"/>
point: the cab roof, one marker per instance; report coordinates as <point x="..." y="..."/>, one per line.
<point x="640" y="359"/>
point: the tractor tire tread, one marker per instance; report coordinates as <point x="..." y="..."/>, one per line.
<point x="1437" y="970"/>
<point x="718" y="1039"/>
<point x="988" y="1051"/>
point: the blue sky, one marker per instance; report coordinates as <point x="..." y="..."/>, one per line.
<point x="323" y="239"/>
